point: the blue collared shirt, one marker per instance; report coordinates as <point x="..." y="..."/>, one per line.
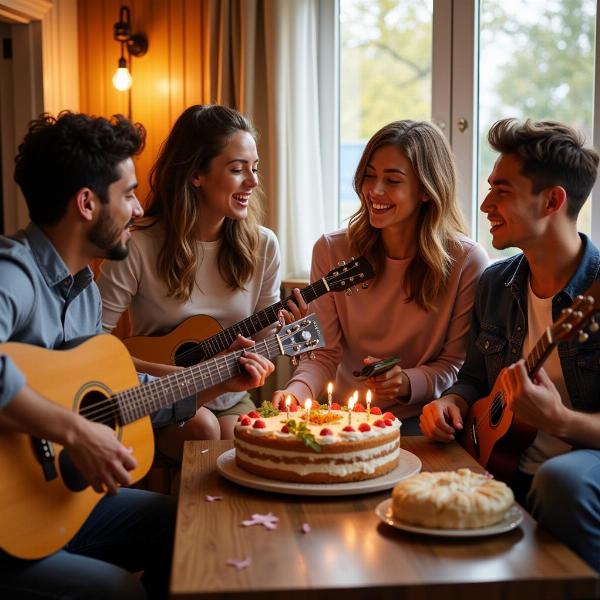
<point x="499" y="327"/>
<point x="42" y="304"/>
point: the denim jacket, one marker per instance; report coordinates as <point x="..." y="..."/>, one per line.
<point x="499" y="327"/>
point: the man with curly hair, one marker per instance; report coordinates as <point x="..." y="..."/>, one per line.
<point x="78" y="178"/>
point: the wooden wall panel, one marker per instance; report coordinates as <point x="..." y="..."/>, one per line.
<point x="165" y="81"/>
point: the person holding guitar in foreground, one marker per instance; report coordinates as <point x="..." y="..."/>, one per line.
<point x="539" y="183"/>
<point x="200" y="250"/>
<point x="78" y="178"/>
<point x="410" y="228"/>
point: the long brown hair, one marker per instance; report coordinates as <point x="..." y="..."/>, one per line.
<point x="440" y="219"/>
<point x="199" y="135"/>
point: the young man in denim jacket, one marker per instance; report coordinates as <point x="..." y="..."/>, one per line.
<point x="538" y="185"/>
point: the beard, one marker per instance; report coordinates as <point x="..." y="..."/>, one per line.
<point x="106" y="236"/>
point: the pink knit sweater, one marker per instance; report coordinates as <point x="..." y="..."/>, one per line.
<point x="378" y="322"/>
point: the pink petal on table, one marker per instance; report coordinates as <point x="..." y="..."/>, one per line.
<point x="212" y="498"/>
<point x="268" y="521"/>
<point x="305" y="528"/>
<point x="239" y="563"/>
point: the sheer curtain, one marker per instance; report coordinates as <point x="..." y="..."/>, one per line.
<point x="295" y="174"/>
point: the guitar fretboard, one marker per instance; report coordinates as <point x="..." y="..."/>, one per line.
<point x="146" y="399"/>
<point x="248" y="327"/>
<point x="539" y="353"/>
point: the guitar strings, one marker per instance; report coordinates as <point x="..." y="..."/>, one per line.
<point x="155" y="391"/>
<point x="535" y="355"/>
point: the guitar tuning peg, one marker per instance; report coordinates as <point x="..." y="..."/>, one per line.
<point x="294" y="361"/>
<point x="583" y="336"/>
<point x="594" y="327"/>
<point x="342" y="263"/>
<point x="365" y="286"/>
<point x="311" y="355"/>
<point x="349" y="292"/>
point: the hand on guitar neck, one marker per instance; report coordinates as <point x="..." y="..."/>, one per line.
<point x="257" y="369"/>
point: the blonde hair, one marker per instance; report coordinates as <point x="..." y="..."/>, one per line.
<point x="440" y="218"/>
<point x="199" y="135"/>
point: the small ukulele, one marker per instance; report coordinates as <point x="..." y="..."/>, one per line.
<point x="492" y="433"/>
<point x="201" y="337"/>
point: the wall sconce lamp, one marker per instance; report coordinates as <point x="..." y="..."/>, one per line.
<point x="137" y="45"/>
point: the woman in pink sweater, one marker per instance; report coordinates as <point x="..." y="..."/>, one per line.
<point x="410" y="227"/>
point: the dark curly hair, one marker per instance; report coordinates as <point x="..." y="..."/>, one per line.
<point x="552" y="154"/>
<point x="62" y="155"/>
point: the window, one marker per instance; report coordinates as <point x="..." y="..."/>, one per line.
<point x="464" y="64"/>
<point x="536" y="59"/>
<point x="385" y="75"/>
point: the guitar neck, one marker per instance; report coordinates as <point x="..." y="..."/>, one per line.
<point x="146" y="399"/>
<point x="257" y="322"/>
<point x="539" y="353"/>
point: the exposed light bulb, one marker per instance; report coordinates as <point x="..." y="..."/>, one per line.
<point x="122" y="78"/>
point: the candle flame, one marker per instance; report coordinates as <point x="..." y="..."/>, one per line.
<point x="288" y="401"/>
<point x="307" y="404"/>
<point x="351" y="403"/>
<point x="329" y="387"/>
<point x="368" y="396"/>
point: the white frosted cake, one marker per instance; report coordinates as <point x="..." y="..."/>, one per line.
<point x="458" y="499"/>
<point x="325" y="449"/>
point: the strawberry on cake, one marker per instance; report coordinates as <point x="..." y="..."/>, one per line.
<point x="317" y="446"/>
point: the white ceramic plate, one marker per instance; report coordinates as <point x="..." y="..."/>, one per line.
<point x="513" y="518"/>
<point x="409" y="465"/>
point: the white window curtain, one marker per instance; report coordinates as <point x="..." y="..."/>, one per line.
<point x="301" y="125"/>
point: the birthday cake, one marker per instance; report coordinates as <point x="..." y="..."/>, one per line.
<point x="325" y="446"/>
<point x="458" y="499"/>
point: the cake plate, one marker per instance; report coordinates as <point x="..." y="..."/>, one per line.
<point x="409" y="465"/>
<point x="512" y="519"/>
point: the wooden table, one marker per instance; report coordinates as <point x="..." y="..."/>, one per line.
<point x="349" y="553"/>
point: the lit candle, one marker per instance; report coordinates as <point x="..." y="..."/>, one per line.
<point x="329" y="395"/>
<point x="307" y="406"/>
<point x="288" y="401"/>
<point x="368" y="405"/>
<point x="351" y="404"/>
<point x="355" y="396"/>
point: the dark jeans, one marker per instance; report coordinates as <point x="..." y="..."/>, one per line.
<point x="127" y="533"/>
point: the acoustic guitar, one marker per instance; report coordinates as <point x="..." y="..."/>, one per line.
<point x="44" y="500"/>
<point x="201" y="337"/>
<point x="492" y="433"/>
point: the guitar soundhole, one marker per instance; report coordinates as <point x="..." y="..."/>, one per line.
<point x="97" y="407"/>
<point x="188" y="354"/>
<point x="94" y="406"/>
<point x="496" y="410"/>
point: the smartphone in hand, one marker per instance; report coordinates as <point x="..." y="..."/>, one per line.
<point x="377" y="368"/>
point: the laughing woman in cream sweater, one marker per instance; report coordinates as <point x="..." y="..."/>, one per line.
<point x="199" y="250"/>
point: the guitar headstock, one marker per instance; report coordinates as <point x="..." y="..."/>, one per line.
<point x="301" y="336"/>
<point x="348" y="274"/>
<point x="572" y="320"/>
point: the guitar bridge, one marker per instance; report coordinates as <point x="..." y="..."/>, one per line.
<point x="44" y="450"/>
